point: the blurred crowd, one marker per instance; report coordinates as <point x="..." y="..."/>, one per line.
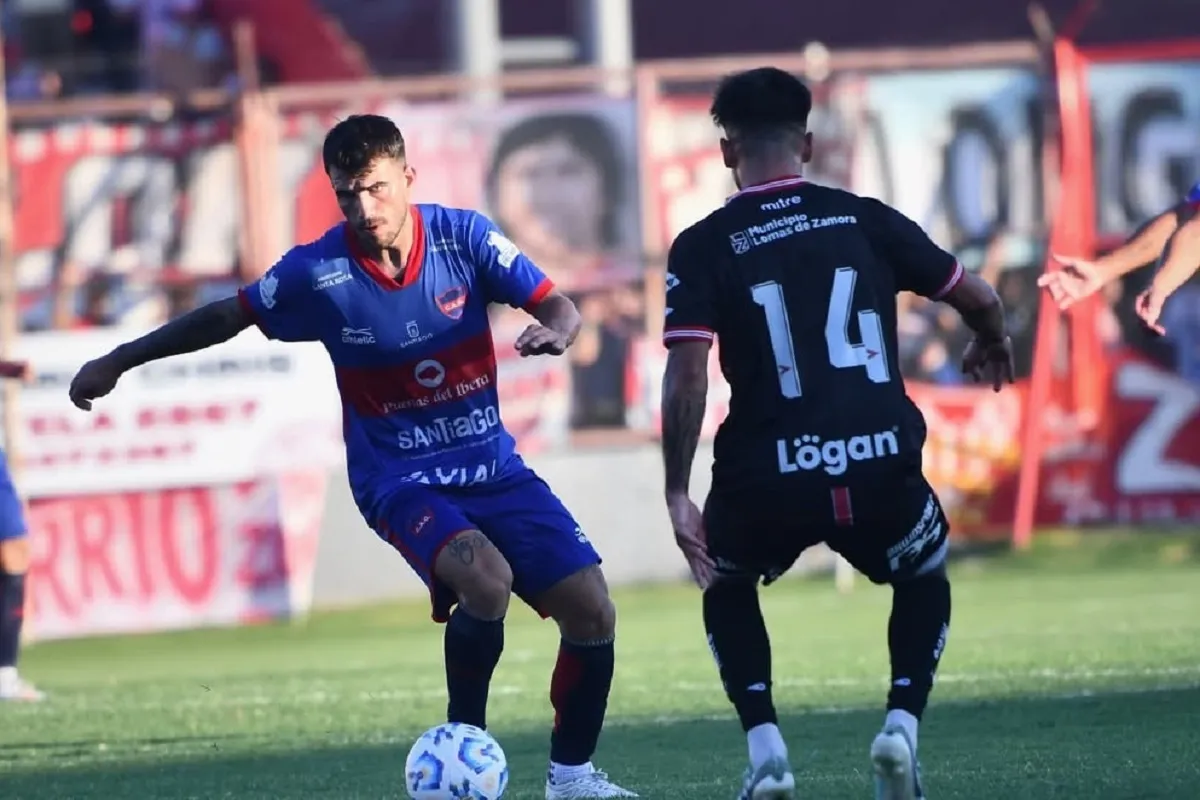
<point x="60" y="48"/>
<point x="561" y="184"/>
<point x="932" y="337"/>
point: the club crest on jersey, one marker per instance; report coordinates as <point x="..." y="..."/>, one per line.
<point x="421" y="521"/>
<point x="740" y="242"/>
<point x="452" y="302"/>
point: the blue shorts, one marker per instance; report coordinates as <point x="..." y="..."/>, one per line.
<point x="518" y="513"/>
<point x="12" y="513"/>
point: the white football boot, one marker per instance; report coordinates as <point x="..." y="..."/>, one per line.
<point x="14" y="688"/>
<point x="593" y="785"/>
<point x="897" y="771"/>
<point x="771" y="781"/>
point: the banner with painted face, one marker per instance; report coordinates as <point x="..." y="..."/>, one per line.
<point x="560" y="179"/>
<point x="130" y="224"/>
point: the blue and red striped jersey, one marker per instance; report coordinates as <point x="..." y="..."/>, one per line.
<point x="414" y="358"/>
<point x="1193" y="196"/>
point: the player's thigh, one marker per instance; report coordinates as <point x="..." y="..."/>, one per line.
<point x="754" y="531"/>
<point x="534" y="531"/>
<point x="903" y="533"/>
<point x="14" y="544"/>
<point x="448" y="551"/>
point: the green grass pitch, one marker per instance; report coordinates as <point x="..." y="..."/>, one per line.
<point x="1071" y="673"/>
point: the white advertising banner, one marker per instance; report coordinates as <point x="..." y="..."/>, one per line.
<point x="242" y="410"/>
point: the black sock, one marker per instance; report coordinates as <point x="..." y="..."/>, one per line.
<point x="579" y="693"/>
<point x="737" y="636"/>
<point x="473" y="647"/>
<point x="12" y="614"/>
<point x="917" y="633"/>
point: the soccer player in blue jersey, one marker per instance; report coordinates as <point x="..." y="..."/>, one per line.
<point x="1172" y="238"/>
<point x="14" y="563"/>
<point x="398" y="295"/>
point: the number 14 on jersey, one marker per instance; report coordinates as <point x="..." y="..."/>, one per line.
<point x="843" y="354"/>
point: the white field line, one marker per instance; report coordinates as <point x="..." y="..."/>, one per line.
<point x="307" y="693"/>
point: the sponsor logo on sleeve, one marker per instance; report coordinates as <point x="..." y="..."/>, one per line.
<point x="506" y="251"/>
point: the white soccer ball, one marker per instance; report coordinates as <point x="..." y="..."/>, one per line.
<point x="456" y="762"/>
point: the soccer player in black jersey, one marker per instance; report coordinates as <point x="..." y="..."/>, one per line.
<point x="798" y="283"/>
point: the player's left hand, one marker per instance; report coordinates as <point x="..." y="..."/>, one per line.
<point x="688" y="523"/>
<point x="992" y="362"/>
<point x="538" y="340"/>
<point x="1148" y="306"/>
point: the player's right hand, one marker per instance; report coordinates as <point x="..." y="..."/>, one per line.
<point x="688" y="523"/>
<point x="1148" y="306"/>
<point x="1076" y="280"/>
<point x="95" y="379"/>
<point x="992" y="362"/>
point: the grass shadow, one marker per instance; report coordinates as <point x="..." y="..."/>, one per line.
<point x="1130" y="746"/>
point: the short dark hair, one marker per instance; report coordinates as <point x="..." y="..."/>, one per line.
<point x="585" y="132"/>
<point x="759" y="105"/>
<point x="359" y="141"/>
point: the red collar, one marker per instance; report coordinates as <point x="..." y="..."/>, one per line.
<point x="412" y="265"/>
<point x="782" y="182"/>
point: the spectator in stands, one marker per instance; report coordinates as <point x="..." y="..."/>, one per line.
<point x="30" y="81"/>
<point x="185" y="50"/>
<point x="936" y="366"/>
<point x="113" y="35"/>
<point x="557" y="185"/>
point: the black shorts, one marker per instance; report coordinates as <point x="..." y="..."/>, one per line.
<point x="889" y="530"/>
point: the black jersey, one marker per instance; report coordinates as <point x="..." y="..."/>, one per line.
<point x="797" y="283"/>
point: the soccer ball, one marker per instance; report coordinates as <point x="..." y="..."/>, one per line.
<point x="454" y="761"/>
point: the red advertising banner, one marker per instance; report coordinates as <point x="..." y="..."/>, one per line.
<point x="176" y="558"/>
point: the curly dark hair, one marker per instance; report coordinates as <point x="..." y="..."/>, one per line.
<point x="760" y="106"/>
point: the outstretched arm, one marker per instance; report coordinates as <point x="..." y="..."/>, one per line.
<point x="208" y="325"/>
<point x="684" y="395"/>
<point x="1080" y="278"/>
<point x="1143" y="247"/>
<point x="212" y="324"/>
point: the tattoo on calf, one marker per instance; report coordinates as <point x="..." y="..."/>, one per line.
<point x="464" y="548"/>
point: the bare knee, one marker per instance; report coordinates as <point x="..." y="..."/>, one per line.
<point x="581" y="606"/>
<point x="477" y="572"/>
<point x="14" y="556"/>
